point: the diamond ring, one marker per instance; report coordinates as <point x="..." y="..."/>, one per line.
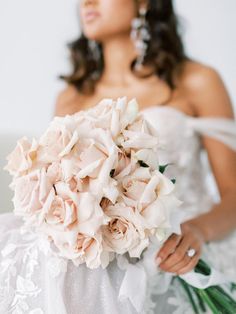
<point x="191" y="252"/>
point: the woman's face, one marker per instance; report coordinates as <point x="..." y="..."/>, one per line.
<point x="101" y="19"/>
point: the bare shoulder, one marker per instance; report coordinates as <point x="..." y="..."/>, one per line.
<point x="206" y="90"/>
<point x="67" y="101"/>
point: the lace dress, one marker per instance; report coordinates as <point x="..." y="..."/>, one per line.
<point x="34" y="280"/>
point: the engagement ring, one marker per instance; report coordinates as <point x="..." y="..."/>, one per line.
<point x="191" y="252"/>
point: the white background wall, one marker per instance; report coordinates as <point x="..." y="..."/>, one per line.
<point x="33" y="35"/>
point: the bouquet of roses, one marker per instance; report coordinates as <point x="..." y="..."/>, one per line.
<point x="92" y="184"/>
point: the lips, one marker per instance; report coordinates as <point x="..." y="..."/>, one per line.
<point x="90" y="16"/>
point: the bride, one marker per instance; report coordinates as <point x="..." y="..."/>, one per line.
<point x="132" y="48"/>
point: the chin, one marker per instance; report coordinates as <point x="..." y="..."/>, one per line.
<point x="94" y="36"/>
<point x="91" y="32"/>
<point x="97" y="32"/>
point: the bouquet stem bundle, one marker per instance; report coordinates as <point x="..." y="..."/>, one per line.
<point x="214" y="298"/>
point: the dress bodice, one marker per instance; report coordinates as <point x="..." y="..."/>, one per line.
<point x="181" y="146"/>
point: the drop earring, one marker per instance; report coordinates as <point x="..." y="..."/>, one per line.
<point x="95" y="53"/>
<point x="140" y="35"/>
<point x="93" y="47"/>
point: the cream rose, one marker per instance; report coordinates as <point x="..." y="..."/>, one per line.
<point x="135" y="184"/>
<point x="71" y="211"/>
<point x="114" y="116"/>
<point x="55" y="173"/>
<point x="139" y="135"/>
<point x="57" y="141"/>
<point x="21" y="160"/>
<point x="101" y="183"/>
<point x="145" y="186"/>
<point x="152" y="194"/>
<point x="91" y="251"/>
<point x="125" y="232"/>
<point x="61" y="213"/>
<point x="84" y="249"/>
<point x="139" y="140"/>
<point x="73" y="221"/>
<point x="60" y="171"/>
<point x="31" y="192"/>
<point x="123" y="162"/>
<point x="144" y="126"/>
<point x="91" y="159"/>
<point x="90" y="214"/>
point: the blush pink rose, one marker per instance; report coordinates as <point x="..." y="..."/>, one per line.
<point x="152" y="194"/>
<point x="61" y="213"/>
<point x="144" y="126"/>
<point x="149" y="157"/>
<point x="21" y="160"/>
<point x="139" y="140"/>
<point x="54" y="172"/>
<point x="144" y="185"/>
<point x="101" y="183"/>
<point x="57" y="141"/>
<point x="89" y="157"/>
<point x="113" y="115"/>
<point x="71" y="211"/>
<point x="31" y="192"/>
<point x="93" y="252"/>
<point x="135" y="184"/>
<point x="90" y="214"/>
<point x="125" y="232"/>
<point x="123" y="162"/>
<point x="91" y="160"/>
<point x="81" y="248"/>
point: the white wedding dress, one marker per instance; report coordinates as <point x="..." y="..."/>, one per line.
<point x="35" y="281"/>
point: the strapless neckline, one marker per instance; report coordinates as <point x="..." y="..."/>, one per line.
<point x="168" y="108"/>
<point x="220" y="128"/>
<point x="179" y="112"/>
<point x="165" y="107"/>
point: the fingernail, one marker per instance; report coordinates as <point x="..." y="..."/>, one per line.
<point x="158" y="261"/>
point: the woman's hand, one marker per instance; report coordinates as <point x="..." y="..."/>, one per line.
<point x="173" y="256"/>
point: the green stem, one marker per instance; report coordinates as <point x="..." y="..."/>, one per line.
<point x="209" y="302"/>
<point x="221" y="300"/>
<point x="200" y="301"/>
<point x="222" y="291"/>
<point x="188" y="291"/>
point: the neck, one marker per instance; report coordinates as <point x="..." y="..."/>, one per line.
<point x="118" y="52"/>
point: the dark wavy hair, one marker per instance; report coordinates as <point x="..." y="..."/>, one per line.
<point x="165" y="52"/>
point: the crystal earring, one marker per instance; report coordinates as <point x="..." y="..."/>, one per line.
<point x="140" y="35"/>
<point x="93" y="46"/>
<point x="95" y="52"/>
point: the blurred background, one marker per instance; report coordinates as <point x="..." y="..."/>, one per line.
<point x="33" y="37"/>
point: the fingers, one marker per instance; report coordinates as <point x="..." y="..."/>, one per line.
<point x="179" y="260"/>
<point x="178" y="256"/>
<point x="168" y="247"/>
<point x="185" y="265"/>
<point x="185" y="262"/>
<point x="189" y="266"/>
<point x="173" y="256"/>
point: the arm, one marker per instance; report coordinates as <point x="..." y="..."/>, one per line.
<point x="209" y="98"/>
<point x="221" y="219"/>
